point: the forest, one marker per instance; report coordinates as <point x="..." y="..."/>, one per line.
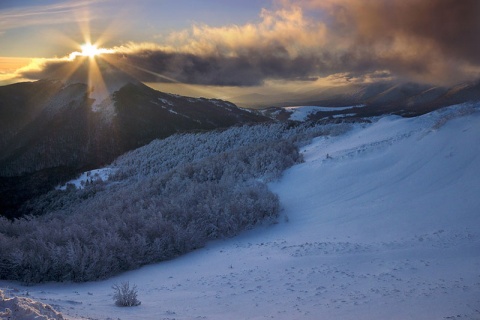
<point x="167" y="198"/>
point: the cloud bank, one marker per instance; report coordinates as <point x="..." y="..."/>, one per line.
<point x="433" y="41"/>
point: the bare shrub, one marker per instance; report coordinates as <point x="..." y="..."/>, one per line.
<point x="125" y="296"/>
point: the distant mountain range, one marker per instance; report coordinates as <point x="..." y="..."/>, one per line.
<point x="51" y="130"/>
<point x="406" y="99"/>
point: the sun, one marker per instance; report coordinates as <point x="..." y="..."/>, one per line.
<point x="90" y="50"/>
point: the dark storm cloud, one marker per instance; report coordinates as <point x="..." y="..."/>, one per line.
<point x="451" y="26"/>
<point x="159" y="66"/>
<point x="437" y="40"/>
<point x="242" y="70"/>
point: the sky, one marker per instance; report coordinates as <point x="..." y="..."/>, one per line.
<point x="254" y="46"/>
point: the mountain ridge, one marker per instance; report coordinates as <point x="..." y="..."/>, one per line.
<point x="385" y="97"/>
<point x="404" y="99"/>
<point x="51" y="125"/>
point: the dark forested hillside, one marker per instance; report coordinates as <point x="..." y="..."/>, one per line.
<point x="50" y="126"/>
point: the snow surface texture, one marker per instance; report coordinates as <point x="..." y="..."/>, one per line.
<point x="379" y="223"/>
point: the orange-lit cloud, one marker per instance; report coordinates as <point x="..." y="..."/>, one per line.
<point x="12" y="69"/>
<point x="286" y="28"/>
<point x="9" y="67"/>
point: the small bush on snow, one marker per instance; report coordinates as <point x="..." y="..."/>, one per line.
<point x="125" y="296"/>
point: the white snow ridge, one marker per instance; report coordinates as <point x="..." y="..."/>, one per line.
<point x="381" y="222"/>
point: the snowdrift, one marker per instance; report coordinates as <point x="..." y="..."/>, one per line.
<point x="26" y="309"/>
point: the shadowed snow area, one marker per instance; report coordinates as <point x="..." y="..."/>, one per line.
<point x="379" y="223"/>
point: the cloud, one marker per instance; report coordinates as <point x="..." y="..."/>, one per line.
<point x="448" y="25"/>
<point x="278" y="47"/>
<point x="433" y="40"/>
<point x="416" y="40"/>
<point x="281" y="46"/>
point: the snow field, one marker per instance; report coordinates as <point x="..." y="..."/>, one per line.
<point x="384" y="227"/>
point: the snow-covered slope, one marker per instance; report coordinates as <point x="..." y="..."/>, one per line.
<point x="379" y="223"/>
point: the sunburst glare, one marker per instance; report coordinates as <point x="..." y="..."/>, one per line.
<point x="89" y="50"/>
